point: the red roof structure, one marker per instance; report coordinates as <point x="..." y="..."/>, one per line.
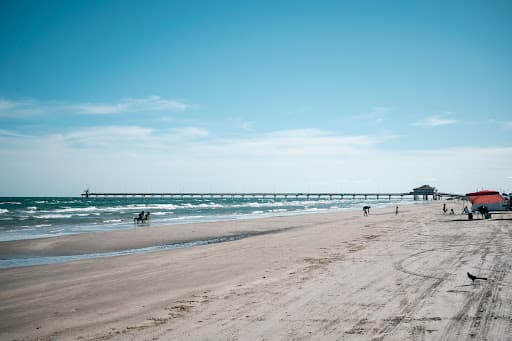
<point x="485" y="197"/>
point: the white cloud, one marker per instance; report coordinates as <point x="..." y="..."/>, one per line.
<point x="435" y="121"/>
<point x="104" y="137"/>
<point x="248" y="126"/>
<point x="20" y="108"/>
<point x="6" y="104"/>
<point x="96" y="108"/>
<point x="376" y="114"/>
<point x="189" y="133"/>
<point x="179" y="169"/>
<point x="9" y="108"/>
<point x="4" y="132"/>
<point x="151" y="103"/>
<point x="132" y="158"/>
<point x="500" y="123"/>
<point x="307" y="143"/>
<point x="310" y="143"/>
<point x="133" y="138"/>
<point x="111" y="132"/>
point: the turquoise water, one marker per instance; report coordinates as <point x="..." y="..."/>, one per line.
<point x="28" y="218"/>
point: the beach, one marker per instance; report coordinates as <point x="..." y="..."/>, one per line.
<point x="329" y="276"/>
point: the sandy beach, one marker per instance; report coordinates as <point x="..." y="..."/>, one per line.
<point x="327" y="276"/>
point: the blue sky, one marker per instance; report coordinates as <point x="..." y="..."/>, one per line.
<point x="255" y="96"/>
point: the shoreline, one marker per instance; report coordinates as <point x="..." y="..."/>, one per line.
<point x="328" y="276"/>
<point x="63" y="219"/>
<point x="165" y="235"/>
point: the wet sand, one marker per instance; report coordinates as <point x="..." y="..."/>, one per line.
<point x="325" y="276"/>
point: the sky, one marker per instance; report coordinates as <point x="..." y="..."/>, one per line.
<point x="274" y="96"/>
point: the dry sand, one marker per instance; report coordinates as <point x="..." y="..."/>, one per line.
<point x="325" y="276"/>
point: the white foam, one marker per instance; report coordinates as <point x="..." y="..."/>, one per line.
<point x="161" y="213"/>
<point x="209" y="205"/>
<point x="3" y="210"/>
<point x="53" y="216"/>
<point x="75" y="209"/>
<point x="195" y="217"/>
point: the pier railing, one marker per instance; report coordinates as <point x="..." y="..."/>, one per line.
<point x="285" y="195"/>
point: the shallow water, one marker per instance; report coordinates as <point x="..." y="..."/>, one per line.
<point x="29" y="218"/>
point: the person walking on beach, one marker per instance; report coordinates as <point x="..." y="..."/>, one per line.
<point x="366" y="210"/>
<point x="444" y="209"/>
<point x="396" y="210"/>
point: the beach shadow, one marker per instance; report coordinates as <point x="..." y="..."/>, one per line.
<point x="480" y="219"/>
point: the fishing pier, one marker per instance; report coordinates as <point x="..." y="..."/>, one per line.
<point x="416" y="194"/>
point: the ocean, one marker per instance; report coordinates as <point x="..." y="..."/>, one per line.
<point x="38" y="217"/>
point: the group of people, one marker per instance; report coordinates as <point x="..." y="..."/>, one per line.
<point x="142" y="217"/>
<point x="483" y="210"/>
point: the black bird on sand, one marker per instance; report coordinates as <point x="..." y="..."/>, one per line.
<point x="473" y="277"/>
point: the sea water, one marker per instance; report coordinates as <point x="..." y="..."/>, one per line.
<point x="30" y="218"/>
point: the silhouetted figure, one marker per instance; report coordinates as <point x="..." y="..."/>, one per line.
<point x="452" y="212"/>
<point x="444" y="208"/>
<point x="396" y="210"/>
<point x="484" y="211"/>
<point x="473" y="277"/>
<point x="139" y="218"/>
<point x="366" y="210"/>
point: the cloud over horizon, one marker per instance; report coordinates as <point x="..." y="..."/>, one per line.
<point x="191" y="158"/>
